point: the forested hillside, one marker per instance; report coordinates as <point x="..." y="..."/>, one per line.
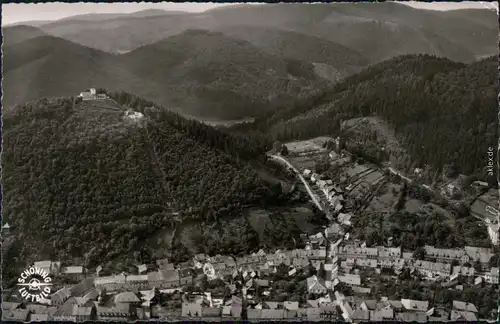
<point x="82" y="181"/>
<point x="443" y="112"/>
<point x="210" y="74"/>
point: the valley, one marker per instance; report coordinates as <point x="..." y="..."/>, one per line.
<point x="247" y="163"/>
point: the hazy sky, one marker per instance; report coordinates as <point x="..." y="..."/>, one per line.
<point x="12" y="13"/>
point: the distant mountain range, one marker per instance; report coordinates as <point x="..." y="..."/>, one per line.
<point x="198" y="72"/>
<point x="385" y="29"/>
<point x="249" y="59"/>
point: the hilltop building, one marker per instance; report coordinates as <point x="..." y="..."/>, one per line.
<point x="91" y="94"/>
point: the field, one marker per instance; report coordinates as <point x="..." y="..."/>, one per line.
<point x="304" y="162"/>
<point x="488" y="201"/>
<point x="385" y="202"/>
<point x="308" y="146"/>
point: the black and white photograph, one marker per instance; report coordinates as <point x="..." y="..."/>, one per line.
<point x="233" y="162"/>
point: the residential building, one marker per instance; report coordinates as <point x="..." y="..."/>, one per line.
<point x="360" y="315"/>
<point x="333" y="231"/>
<point x="84" y="314"/>
<point x="463" y="271"/>
<point x="307" y="173"/>
<point x="112" y="314"/>
<point x="351" y="251"/>
<point x="415" y="305"/>
<point x="273" y="313"/>
<point x="433" y="269"/>
<point x="141" y="268"/>
<point x="350" y="279"/>
<point x="39" y="317"/>
<point x="316" y="285"/>
<point x="464" y="316"/>
<point x="368" y="304"/>
<point x="111" y="283"/>
<point x="344" y="219"/>
<point x="82" y="288"/>
<point x="493" y="232"/>
<point x="43" y="265"/>
<point x="16" y="315"/>
<point x="6" y="229"/>
<point x="60" y="296"/>
<point x="137" y="281"/>
<point x="445" y="255"/>
<point x="191" y="310"/>
<point x="464" y="306"/>
<point x="314" y="177"/>
<point x="411" y="317"/>
<point x="492" y="276"/>
<point x="388" y="253"/>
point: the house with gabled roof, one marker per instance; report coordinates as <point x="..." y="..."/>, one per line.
<point x="84" y="314"/>
<point x="60" y="296"/>
<point x="464" y="306"/>
<point x="411" y="317"/>
<point x="415" y="305"/>
<point x="273" y="314"/>
<point x="39" y="317"/>
<point x="16" y="315"/>
<point x="492" y="276"/>
<point x="191" y="310"/>
<point x="350" y="279"/>
<point x="316" y="285"/>
<point x="463" y="271"/>
<point x="462" y="316"/>
<point x="445" y="255"/>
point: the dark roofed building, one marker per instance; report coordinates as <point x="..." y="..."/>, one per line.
<point x="236" y="310"/>
<point x="191" y="310"/>
<point x="273" y="314"/>
<point x="211" y="312"/>
<point x="126" y="297"/>
<point x="10" y="305"/>
<point x="314" y="314"/>
<point x="170" y="278"/>
<point x="464" y="306"/>
<point x="16" y="315"/>
<point x="82" y="287"/>
<point x="254" y="313"/>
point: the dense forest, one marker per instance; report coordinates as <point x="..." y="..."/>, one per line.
<point x="81" y="182"/>
<point x="430" y="103"/>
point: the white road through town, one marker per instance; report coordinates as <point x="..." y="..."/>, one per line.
<point x="304" y="181"/>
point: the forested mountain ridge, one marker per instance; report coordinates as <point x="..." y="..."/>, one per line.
<point x="384" y="29"/>
<point x="430" y="102"/>
<point x="196" y="73"/>
<point x="84" y="182"/>
<point x="211" y="74"/>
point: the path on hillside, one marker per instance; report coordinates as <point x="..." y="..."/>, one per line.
<point x="393" y="171"/>
<point x="308" y="188"/>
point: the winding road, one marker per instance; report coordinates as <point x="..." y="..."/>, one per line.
<point x="304" y="181"/>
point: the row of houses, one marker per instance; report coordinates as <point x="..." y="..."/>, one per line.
<point x="468" y="254"/>
<point x="54" y="267"/>
<point x="340" y="307"/>
<point x="332" y="192"/>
